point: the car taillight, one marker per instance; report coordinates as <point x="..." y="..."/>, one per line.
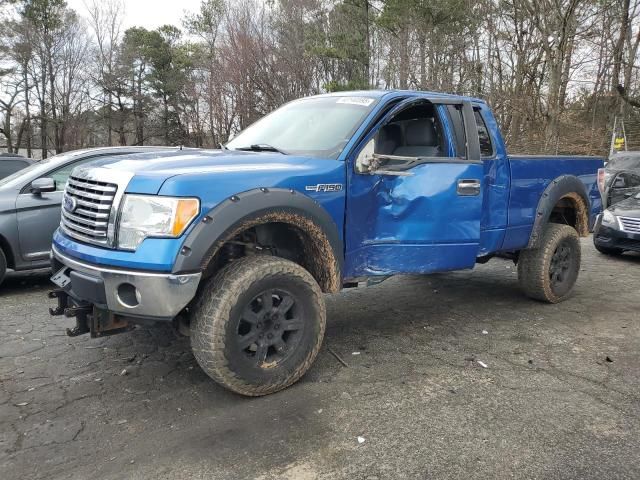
<point x="601" y="180"/>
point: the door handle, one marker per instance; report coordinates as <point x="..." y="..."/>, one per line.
<point x="468" y="187"/>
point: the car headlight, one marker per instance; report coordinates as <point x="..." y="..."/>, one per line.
<point x="609" y="219"/>
<point x="145" y="216"/>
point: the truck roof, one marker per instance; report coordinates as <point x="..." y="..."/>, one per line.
<point x="411" y="93"/>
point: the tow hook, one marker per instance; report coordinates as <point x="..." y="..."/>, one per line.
<point x="89" y="319"/>
<point x="82" y="323"/>
<point x="79" y="312"/>
<point x="63" y="302"/>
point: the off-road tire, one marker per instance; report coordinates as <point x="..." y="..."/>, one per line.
<point x="3" y="266"/>
<point x="219" y="310"/>
<point x="534" y="266"/>
<point x="609" y="251"/>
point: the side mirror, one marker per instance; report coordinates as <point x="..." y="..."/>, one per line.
<point x="366" y="162"/>
<point x="371" y="163"/>
<point x="43" y="185"/>
<point x="619" y="182"/>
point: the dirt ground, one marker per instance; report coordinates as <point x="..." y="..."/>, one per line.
<point x="559" y="397"/>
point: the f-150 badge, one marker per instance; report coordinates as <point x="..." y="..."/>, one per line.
<point x="324" y="187"/>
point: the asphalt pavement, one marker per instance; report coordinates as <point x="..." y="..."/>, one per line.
<point x="453" y="375"/>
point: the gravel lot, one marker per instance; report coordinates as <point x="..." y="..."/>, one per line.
<point x="559" y="397"/>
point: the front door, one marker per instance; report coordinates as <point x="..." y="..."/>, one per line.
<point x="415" y="199"/>
<point x="38" y="215"/>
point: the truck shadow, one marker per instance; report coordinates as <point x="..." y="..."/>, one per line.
<point x="627" y="257"/>
<point x="22" y="283"/>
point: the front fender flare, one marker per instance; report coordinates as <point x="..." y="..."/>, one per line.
<point x="259" y="206"/>
<point x="561" y="187"/>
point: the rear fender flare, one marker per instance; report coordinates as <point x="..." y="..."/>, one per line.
<point x="565" y="186"/>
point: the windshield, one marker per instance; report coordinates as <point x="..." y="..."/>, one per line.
<point x="317" y="127"/>
<point x="625" y="161"/>
<point x="36" y="169"/>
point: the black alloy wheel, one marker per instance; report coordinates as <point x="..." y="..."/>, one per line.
<point x="270" y="327"/>
<point x="560" y="265"/>
<point x="258" y="325"/>
<point x="549" y="272"/>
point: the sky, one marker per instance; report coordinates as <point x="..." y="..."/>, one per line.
<point x="148" y="13"/>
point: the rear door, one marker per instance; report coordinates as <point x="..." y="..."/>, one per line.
<point x="416" y="204"/>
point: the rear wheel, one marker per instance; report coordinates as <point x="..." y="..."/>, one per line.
<point x="3" y="266"/>
<point x="258" y="325"/>
<point x="549" y="272"/>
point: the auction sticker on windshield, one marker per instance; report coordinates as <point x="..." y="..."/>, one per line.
<point x="362" y="101"/>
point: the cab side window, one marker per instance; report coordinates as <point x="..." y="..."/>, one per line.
<point x="413" y="132"/>
<point x="486" y="146"/>
<point x="61" y="175"/>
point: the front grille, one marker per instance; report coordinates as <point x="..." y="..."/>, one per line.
<point x="630" y="224"/>
<point x="86" y="208"/>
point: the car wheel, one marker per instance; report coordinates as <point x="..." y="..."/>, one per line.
<point x="609" y="251"/>
<point x="258" y="325"/>
<point x="548" y="273"/>
<point x="3" y="266"/>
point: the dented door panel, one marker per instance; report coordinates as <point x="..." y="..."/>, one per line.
<point x="426" y="221"/>
<point x="415" y="224"/>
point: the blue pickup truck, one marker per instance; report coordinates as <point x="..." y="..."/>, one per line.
<point x="237" y="246"/>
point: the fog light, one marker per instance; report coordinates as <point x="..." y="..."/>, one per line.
<point x="128" y="295"/>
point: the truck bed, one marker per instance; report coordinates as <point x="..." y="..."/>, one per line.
<point x="530" y="176"/>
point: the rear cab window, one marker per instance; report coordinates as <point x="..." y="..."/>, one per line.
<point x="487" y="149"/>
<point x="457" y="125"/>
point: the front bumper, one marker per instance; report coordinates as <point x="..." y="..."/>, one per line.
<point x="130" y="293"/>
<point x="607" y="237"/>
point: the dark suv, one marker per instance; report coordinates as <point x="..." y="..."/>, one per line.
<point x="11" y="163"/>
<point x="617" y="230"/>
<point x="620" y="178"/>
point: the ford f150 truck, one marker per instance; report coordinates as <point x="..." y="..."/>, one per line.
<point x="236" y="246"/>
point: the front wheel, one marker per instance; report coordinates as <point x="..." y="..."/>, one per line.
<point x="548" y="273"/>
<point x="258" y="325"/>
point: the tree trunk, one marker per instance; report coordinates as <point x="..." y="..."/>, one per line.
<point x="25" y="79"/>
<point x="423" y="60"/>
<point x="43" y="114"/>
<point x="403" y="39"/>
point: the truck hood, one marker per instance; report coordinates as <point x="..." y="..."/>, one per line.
<point x="152" y="170"/>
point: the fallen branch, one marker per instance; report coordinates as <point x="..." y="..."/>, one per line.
<point x="634" y="102"/>
<point x="337" y="357"/>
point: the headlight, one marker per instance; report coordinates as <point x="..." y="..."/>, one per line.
<point x="609" y="219"/>
<point x="145" y="216"/>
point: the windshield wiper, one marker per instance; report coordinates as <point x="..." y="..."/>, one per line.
<point x="261" y="147"/>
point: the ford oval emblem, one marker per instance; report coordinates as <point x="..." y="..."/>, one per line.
<point x="69" y="203"/>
